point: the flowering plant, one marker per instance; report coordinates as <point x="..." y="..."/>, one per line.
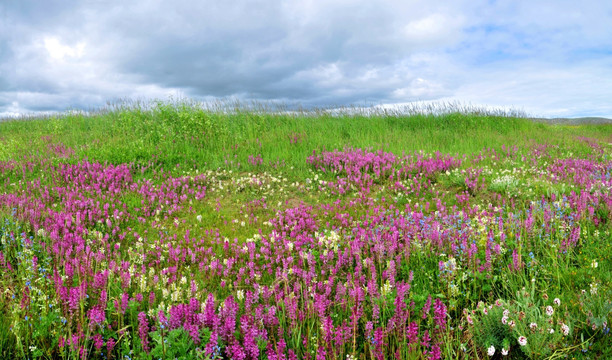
<point x="522" y="325"/>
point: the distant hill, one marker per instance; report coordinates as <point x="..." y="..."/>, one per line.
<point x="575" y="121"/>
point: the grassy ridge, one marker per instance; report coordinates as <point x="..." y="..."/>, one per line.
<point x="184" y="133"/>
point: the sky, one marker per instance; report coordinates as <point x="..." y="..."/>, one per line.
<point x="546" y="58"/>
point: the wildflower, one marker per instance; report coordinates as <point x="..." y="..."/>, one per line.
<point x="593" y="288"/>
<point x="440" y="314"/>
<point x="549" y="310"/>
<point x="386" y="288"/>
<point x="522" y="340"/>
<point x="426" y="307"/>
<point x="533" y="326"/>
<point x="511" y="323"/>
<point x="199" y="218"/>
<point x="491" y="350"/>
<point x="565" y="329"/>
<point x="552" y="331"/>
<point x="504" y="352"/>
<point x="594" y="264"/>
<point x="557" y="301"/>
<point x="506" y="312"/>
<point x="143" y="330"/>
<point x="504" y="320"/>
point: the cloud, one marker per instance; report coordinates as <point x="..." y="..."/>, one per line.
<point x="57" y="55"/>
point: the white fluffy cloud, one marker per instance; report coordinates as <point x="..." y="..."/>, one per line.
<point x="551" y="58"/>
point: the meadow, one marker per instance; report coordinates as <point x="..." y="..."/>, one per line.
<point x="169" y="230"/>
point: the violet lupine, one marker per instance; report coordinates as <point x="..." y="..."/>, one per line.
<point x="440" y="314"/>
<point x="97" y="315"/>
<point x="426" y="308"/>
<point x="125" y="297"/>
<point x="435" y="353"/>
<point x="98" y="341"/>
<point x="250" y="333"/>
<point x="413" y="333"/>
<point x="212" y="348"/>
<point x="379" y="343"/>
<point x="143" y="331"/>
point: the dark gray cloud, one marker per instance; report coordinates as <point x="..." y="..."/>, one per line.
<point x="56" y="55"/>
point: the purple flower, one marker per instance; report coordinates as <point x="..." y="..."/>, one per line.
<point x="435" y="353"/>
<point x="413" y="333"/>
<point x="440" y="314"/>
<point x="143" y="331"/>
<point x="426" y="307"/>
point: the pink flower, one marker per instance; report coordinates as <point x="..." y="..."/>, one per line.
<point x="549" y="310"/>
<point x="143" y="331"/>
<point x="522" y="340"/>
<point x="565" y="329"/>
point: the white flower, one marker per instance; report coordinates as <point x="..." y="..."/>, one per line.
<point x="506" y="312"/>
<point x="504" y="352"/>
<point x="504" y="320"/>
<point x="240" y="295"/>
<point x="550" y="310"/>
<point x="199" y="218"/>
<point x="512" y="324"/>
<point x="533" y="326"/>
<point x="565" y="329"/>
<point x="552" y="331"/>
<point x="557" y="301"/>
<point x="385" y="289"/>
<point x="594" y="264"/>
<point x="522" y="340"/>
<point x="491" y="350"/>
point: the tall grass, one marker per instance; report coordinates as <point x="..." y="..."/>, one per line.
<point x="186" y="132"/>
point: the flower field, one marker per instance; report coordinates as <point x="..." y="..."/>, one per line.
<point x="176" y="233"/>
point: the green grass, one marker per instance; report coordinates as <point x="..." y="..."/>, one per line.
<point x="189" y="135"/>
